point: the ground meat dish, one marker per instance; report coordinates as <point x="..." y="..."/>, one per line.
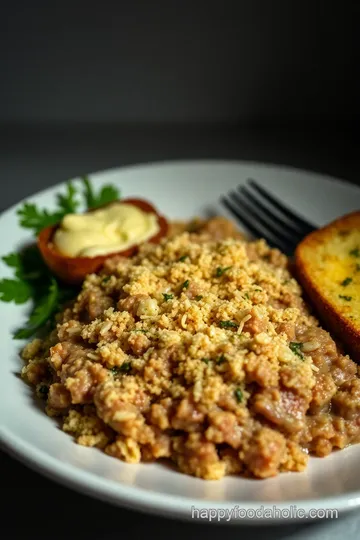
<point x="200" y="350"/>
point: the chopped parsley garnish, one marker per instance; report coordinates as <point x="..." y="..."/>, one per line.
<point x="105" y="279"/>
<point x="357" y="267"/>
<point x="246" y="295"/>
<point x="296" y="349"/>
<point x="346" y="298"/>
<point x="183" y="258"/>
<point x="346" y="281"/>
<point x="124" y="368"/>
<point x="186" y="284"/>
<point x="238" y="395"/>
<point x="220" y="360"/>
<point x="206" y="360"/>
<point x="44" y="390"/>
<point x="258" y="290"/>
<point x="221" y="271"/>
<point x="140" y="331"/>
<point x="228" y="324"/>
<point x="355" y="252"/>
<point x="168" y="296"/>
<point x="199" y="297"/>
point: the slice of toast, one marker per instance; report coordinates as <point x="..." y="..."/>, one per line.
<point x="328" y="267"/>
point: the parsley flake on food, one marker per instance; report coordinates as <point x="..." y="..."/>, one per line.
<point x="221" y="271"/>
<point x="355" y="252"/>
<point x="124" y="368"/>
<point x="44" y="390"/>
<point x="346" y="298"/>
<point x="296" y="349"/>
<point x="183" y="258"/>
<point x="220" y="360"/>
<point x="238" y="395"/>
<point x="228" y="324"/>
<point x="346" y="282"/>
<point x="168" y="296"/>
<point x="186" y="284"/>
<point x="199" y="297"/>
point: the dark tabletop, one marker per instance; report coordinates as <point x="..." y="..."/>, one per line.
<point x="32" y="159"/>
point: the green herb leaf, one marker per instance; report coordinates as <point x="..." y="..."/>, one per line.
<point x="33" y="218"/>
<point x="168" y="297"/>
<point x="13" y="260"/>
<point x="228" y="324"/>
<point x="183" y="258"/>
<point x="220" y="360"/>
<point x="105" y="279"/>
<point x="124" y="368"/>
<point x="44" y="391"/>
<point x="14" y="290"/>
<point x="220" y="271"/>
<point x="186" y="284"/>
<point x="346" y="281"/>
<point x="107" y="194"/>
<point x="355" y="252"/>
<point x="68" y="203"/>
<point x="238" y="395"/>
<point x="346" y="298"/>
<point x="37" y="219"/>
<point x="206" y="360"/>
<point x="296" y="349"/>
<point x="199" y="297"/>
<point x="42" y="312"/>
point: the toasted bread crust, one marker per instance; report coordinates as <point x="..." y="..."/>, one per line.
<point x="334" y="239"/>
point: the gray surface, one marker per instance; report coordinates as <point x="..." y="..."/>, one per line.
<point x="166" y="61"/>
<point x="34" y="159"/>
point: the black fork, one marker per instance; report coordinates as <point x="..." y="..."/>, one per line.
<point x="265" y="216"/>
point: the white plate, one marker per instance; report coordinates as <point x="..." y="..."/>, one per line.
<point x="179" y="190"/>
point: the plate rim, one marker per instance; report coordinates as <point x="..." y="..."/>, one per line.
<point x="181" y="163"/>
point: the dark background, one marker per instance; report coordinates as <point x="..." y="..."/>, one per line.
<point x="165" y="61"/>
<point x="92" y="85"/>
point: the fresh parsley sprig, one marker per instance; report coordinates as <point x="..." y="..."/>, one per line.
<point x="107" y="194"/>
<point x="32" y="279"/>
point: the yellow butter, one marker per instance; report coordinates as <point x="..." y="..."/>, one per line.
<point x="116" y="227"/>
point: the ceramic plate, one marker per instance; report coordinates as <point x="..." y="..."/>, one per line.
<point x="179" y="190"/>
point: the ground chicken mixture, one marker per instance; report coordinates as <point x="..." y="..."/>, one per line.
<point x="199" y="350"/>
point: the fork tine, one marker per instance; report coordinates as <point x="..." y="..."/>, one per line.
<point x="276" y="232"/>
<point x="281" y="225"/>
<point x="256" y="231"/>
<point x="305" y="225"/>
